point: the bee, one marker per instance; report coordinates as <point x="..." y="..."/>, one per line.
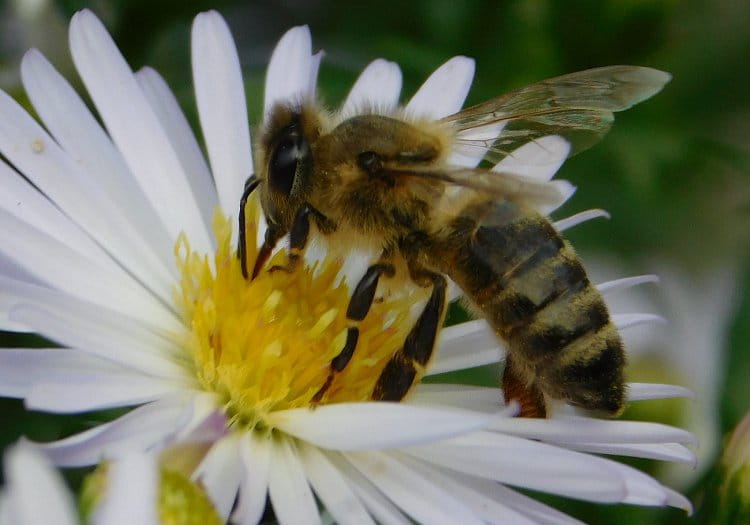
<point x="386" y="181"/>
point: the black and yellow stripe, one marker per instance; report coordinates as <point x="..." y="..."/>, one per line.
<point x="529" y="283"/>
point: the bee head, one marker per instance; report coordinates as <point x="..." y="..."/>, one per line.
<point x="285" y="163"/>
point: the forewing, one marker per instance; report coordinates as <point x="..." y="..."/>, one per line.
<point x="578" y="107"/>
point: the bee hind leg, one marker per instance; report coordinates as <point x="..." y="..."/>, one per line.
<point x="516" y="388"/>
<point x="399" y="373"/>
<point x="359" y="305"/>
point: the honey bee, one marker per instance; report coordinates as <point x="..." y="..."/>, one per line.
<point x="386" y="181"/>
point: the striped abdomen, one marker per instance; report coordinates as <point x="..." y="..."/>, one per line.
<point x="530" y="285"/>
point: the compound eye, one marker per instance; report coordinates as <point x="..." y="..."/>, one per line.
<point x="290" y="150"/>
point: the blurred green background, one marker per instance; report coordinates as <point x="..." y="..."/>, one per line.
<point x="674" y="172"/>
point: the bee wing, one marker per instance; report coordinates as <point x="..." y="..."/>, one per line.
<point x="578" y="107"/>
<point x="542" y="195"/>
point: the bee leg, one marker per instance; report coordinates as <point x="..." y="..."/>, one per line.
<point x="516" y="388"/>
<point x="359" y="305"/>
<point x="300" y="233"/>
<point x="250" y="184"/>
<point x="273" y="234"/>
<point x="399" y="373"/>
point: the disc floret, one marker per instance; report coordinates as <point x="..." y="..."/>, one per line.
<point x="266" y="344"/>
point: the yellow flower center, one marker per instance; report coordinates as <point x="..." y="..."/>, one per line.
<point x="266" y="345"/>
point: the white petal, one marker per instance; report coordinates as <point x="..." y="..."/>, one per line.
<point x="85" y="391"/>
<point x="331" y="487"/>
<point x="643" y="489"/>
<point x="220" y="95"/>
<point x="578" y="218"/>
<point x="678" y="501"/>
<point x="626" y="282"/>
<point x="11" y="269"/>
<point x="47" y="259"/>
<point x="21" y="368"/>
<point x="33" y="152"/>
<point x="539" y="159"/>
<point x="466" y="345"/>
<point x="380" y="507"/>
<point x="623" y="321"/>
<point x="77" y="131"/>
<point x="377" y="89"/>
<point x="135" y="128"/>
<point x="289" y="70"/>
<point x="203" y="421"/>
<point x="38" y="495"/>
<point x="576" y="429"/>
<point x="541" y="513"/>
<point x="5" y="323"/>
<point x="491" y="510"/>
<point x="66" y="328"/>
<point x="481" y="139"/>
<point x="67" y="331"/>
<point x="292" y="499"/>
<point x="645" y="391"/>
<point x="220" y="473"/>
<point x="131" y="494"/>
<point x="418" y="496"/>
<point x="659" y="451"/>
<point x="545" y="196"/>
<point x="159" y="341"/>
<point x="444" y="92"/>
<point x="483" y="399"/>
<point x="317" y="58"/>
<point x="180" y="135"/>
<point x="21" y="199"/>
<point x="6" y="512"/>
<point x="255" y="453"/>
<point x="565" y="191"/>
<point x="529" y="464"/>
<point x="141" y="429"/>
<point x="363" y="426"/>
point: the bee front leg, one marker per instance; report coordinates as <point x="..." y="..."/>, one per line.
<point x="300" y="233"/>
<point x="399" y="373"/>
<point x="273" y="234"/>
<point x="250" y="184"/>
<point x="359" y="305"/>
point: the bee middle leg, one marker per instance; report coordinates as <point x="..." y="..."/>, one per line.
<point x="399" y="373"/>
<point x="359" y="305"/>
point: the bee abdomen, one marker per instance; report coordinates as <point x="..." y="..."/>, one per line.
<point x="533" y="290"/>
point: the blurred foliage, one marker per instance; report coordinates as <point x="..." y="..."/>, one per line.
<point x="674" y="172"/>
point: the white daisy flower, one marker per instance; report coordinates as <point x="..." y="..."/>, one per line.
<point x="91" y="235"/>
<point x="128" y="491"/>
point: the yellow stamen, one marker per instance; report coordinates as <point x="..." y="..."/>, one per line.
<point x="266" y="345"/>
